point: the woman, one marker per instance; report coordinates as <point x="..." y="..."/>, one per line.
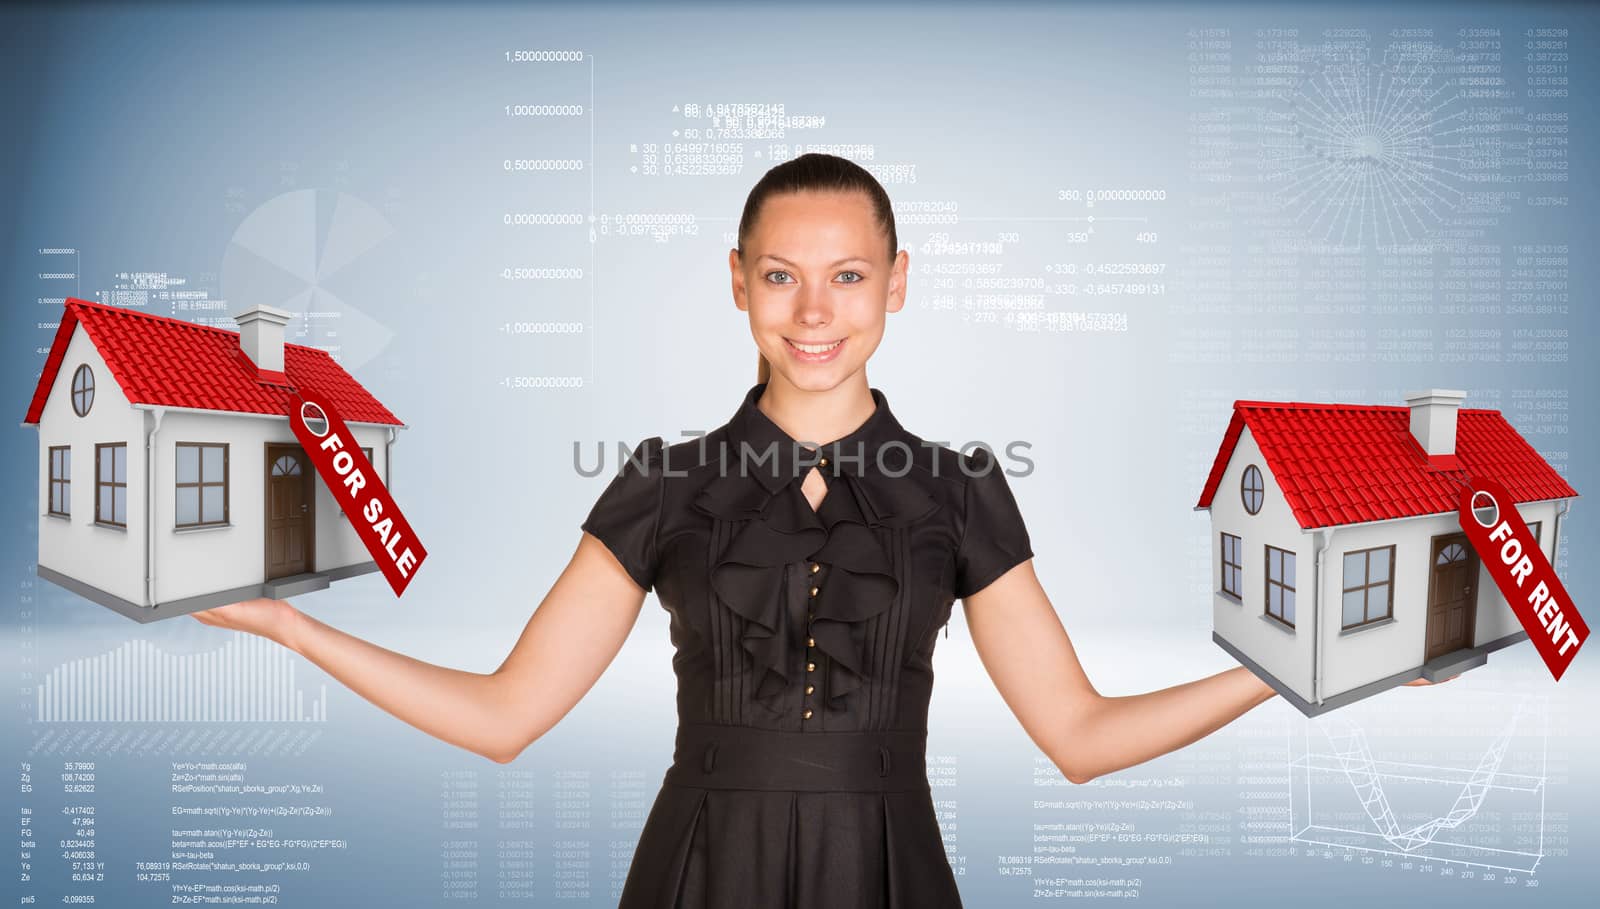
<point x="806" y="583"/>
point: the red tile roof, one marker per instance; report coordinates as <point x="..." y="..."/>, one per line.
<point x="1348" y="463"/>
<point x="173" y="362"/>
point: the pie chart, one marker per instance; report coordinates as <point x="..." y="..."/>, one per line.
<point x="290" y="252"/>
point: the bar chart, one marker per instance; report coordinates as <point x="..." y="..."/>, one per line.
<point x="249" y="679"/>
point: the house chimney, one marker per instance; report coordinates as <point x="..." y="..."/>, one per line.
<point x="261" y="336"/>
<point x="1433" y="419"/>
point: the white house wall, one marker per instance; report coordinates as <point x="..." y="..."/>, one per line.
<point x="1282" y="651"/>
<point x="192" y="562"/>
<point x="111" y="559"/>
<point x="1361" y="655"/>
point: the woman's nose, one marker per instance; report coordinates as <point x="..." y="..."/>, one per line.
<point x="813" y="308"/>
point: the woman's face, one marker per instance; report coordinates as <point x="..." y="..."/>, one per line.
<point x="817" y="281"/>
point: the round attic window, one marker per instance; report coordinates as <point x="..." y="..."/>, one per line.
<point x="82" y="390"/>
<point x="1251" y="489"/>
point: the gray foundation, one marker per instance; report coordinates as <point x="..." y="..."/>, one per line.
<point x="277" y="588"/>
<point x="1436" y="669"/>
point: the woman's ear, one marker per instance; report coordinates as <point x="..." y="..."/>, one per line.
<point x="736" y="273"/>
<point x="897" y="280"/>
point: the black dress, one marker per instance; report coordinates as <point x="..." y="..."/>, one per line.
<point x="803" y="654"/>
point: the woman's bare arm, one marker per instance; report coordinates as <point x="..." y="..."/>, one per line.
<point x="1028" y="654"/>
<point x="572" y="637"/>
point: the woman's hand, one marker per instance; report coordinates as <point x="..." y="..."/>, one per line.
<point x="571" y="638"/>
<point x="1027" y="652"/>
<point x="264" y="616"/>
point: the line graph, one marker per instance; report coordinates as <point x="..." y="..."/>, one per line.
<point x="1344" y="796"/>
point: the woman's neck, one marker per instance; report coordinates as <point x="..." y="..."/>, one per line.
<point x="818" y="417"/>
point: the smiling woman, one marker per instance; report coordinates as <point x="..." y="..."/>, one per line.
<point x="807" y="551"/>
<point x="812" y="199"/>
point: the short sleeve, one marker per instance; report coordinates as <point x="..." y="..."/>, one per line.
<point x="993" y="537"/>
<point x="626" y="515"/>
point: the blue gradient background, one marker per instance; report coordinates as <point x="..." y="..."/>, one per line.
<point x="145" y="138"/>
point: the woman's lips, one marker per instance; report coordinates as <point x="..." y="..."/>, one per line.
<point x="819" y="352"/>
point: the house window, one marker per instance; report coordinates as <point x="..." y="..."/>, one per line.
<point x="1232" y="568"/>
<point x="82" y="390"/>
<point x="1251" y="489"/>
<point x="201" y="484"/>
<point x="111" y="483"/>
<point x="1280" y="585"/>
<point x="1369" y="582"/>
<point x="1536" y="531"/>
<point x="61" y="480"/>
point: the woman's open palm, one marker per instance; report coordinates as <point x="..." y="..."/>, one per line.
<point x="263" y="616"/>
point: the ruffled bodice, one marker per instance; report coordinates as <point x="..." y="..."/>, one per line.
<point x="794" y="618"/>
<point x="788" y="620"/>
<point x="808" y="579"/>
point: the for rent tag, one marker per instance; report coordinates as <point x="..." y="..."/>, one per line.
<point x="1508" y="550"/>
<point x="356" y="487"/>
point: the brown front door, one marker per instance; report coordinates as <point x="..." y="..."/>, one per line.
<point x="290" y="513"/>
<point x="1452" y="602"/>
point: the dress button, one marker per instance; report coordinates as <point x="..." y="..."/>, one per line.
<point x="806" y="715"/>
<point x="810" y="688"/>
<point x="810" y="666"/>
<point x="811" y="642"/>
<point x="814" y="591"/>
<point x="815" y="568"/>
<point x="823" y="462"/>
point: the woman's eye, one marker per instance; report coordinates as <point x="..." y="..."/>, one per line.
<point x="851" y="277"/>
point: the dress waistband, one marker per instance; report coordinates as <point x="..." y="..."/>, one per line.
<point x="712" y="756"/>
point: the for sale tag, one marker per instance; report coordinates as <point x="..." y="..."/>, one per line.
<point x="356" y="487"/>
<point x="1508" y="550"/>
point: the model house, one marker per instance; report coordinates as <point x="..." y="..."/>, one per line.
<point x="1338" y="561"/>
<point x="169" y="479"/>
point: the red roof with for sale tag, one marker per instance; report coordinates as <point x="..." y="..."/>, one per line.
<point x="166" y="361"/>
<point x="1352" y="463"/>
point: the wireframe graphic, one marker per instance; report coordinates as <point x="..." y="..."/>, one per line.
<point x="1345" y="795"/>
<point x="1373" y="153"/>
